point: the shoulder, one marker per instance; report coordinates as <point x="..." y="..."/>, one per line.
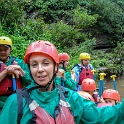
<point x="76" y="66"/>
<point x="91" y="66"/>
<point x="19" y="59"/>
<point x="20" y="62"/>
<point x="73" y="95"/>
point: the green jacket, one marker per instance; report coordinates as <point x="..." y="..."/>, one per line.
<point x="26" y="79"/>
<point x="68" y="81"/>
<point x="83" y="110"/>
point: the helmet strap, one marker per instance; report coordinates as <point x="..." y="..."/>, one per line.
<point x="63" y="62"/>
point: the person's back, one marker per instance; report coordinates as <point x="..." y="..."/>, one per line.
<point x="13" y="71"/>
<point x="83" y="70"/>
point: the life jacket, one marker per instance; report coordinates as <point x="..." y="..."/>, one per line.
<point x="85" y="72"/>
<point x="95" y="96"/>
<point x="62" y="113"/>
<point x="6" y="87"/>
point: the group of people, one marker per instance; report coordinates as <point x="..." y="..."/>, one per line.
<point x="49" y="94"/>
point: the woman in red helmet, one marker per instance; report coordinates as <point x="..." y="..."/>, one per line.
<point x="89" y="86"/>
<point x="44" y="102"/>
<point x="64" y="77"/>
<point x="111" y="96"/>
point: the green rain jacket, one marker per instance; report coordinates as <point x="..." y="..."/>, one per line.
<point x="83" y="110"/>
<point x="68" y="81"/>
<point x="26" y="79"/>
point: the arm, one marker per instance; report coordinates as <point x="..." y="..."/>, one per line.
<point x="69" y="82"/>
<point x="3" y="74"/>
<point x="86" y="112"/>
<point x="9" y="112"/>
<point x="26" y="78"/>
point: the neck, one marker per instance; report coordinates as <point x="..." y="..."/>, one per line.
<point x="50" y="88"/>
<point x="5" y="60"/>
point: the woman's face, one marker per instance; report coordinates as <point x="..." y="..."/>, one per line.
<point x="4" y="53"/>
<point x="66" y="64"/>
<point x="109" y="101"/>
<point x="86" y="62"/>
<point x="41" y="67"/>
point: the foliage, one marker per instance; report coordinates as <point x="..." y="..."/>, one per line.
<point x="73" y="26"/>
<point x="11" y="11"/>
<point x="63" y="34"/>
<point x="111" y="20"/>
<point x="53" y="10"/>
<point x="82" y="19"/>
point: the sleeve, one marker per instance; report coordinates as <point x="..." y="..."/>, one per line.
<point x="9" y="112"/>
<point x="76" y="71"/>
<point x="69" y="82"/>
<point x="112" y="114"/>
<point x="91" y="67"/>
<point x="86" y="112"/>
<point x="26" y="79"/>
<point x="57" y="80"/>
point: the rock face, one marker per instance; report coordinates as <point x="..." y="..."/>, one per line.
<point x="103" y="43"/>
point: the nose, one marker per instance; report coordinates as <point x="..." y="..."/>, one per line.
<point x="40" y="68"/>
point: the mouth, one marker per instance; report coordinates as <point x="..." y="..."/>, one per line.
<point x="42" y="77"/>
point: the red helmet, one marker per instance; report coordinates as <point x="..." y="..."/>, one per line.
<point x="88" y="85"/>
<point x="86" y="95"/>
<point x="44" y="47"/>
<point x="63" y="57"/>
<point x="111" y="94"/>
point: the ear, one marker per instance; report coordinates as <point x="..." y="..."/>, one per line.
<point x="10" y="49"/>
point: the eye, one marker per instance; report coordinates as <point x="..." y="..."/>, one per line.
<point x="46" y="63"/>
<point x="34" y="65"/>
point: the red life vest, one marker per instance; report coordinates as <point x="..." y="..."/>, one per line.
<point x="62" y="113"/>
<point x="85" y="73"/>
<point x="6" y="83"/>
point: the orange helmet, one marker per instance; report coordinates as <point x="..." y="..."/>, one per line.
<point x="86" y="95"/>
<point x="44" y="47"/>
<point x="63" y="57"/>
<point x="88" y="85"/>
<point x="111" y="94"/>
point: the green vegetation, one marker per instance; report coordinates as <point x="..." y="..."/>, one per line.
<point x="73" y="26"/>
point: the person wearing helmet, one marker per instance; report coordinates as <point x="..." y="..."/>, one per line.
<point x="11" y="65"/>
<point x="89" y="86"/>
<point x="111" y="96"/>
<point x="63" y="75"/>
<point x="44" y="102"/>
<point x="83" y="70"/>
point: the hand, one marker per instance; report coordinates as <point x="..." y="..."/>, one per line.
<point x="60" y="73"/>
<point x="18" y="73"/>
<point x="73" y="75"/>
<point x="15" y="69"/>
<point x="101" y="100"/>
